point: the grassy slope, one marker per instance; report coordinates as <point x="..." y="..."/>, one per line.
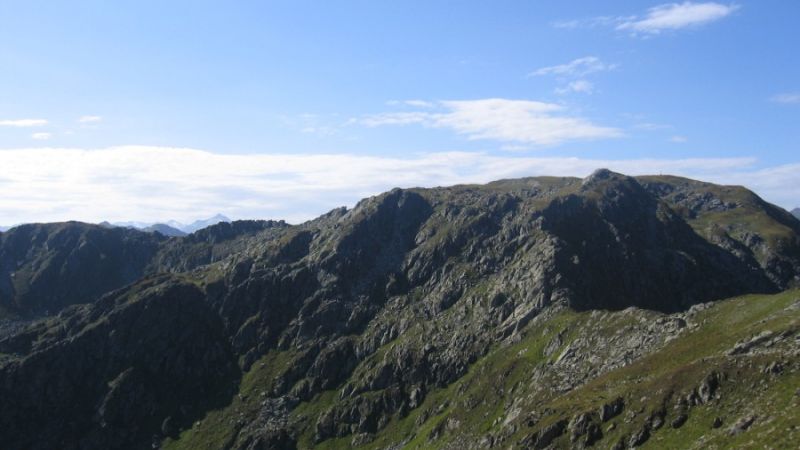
<point x="498" y="383"/>
<point x="681" y="366"/>
<point x="477" y="402"/>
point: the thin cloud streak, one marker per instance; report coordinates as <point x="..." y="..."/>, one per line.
<point x="658" y="19"/>
<point x="674" y="16"/>
<point x="498" y="119"/>
<point x="575" y="68"/>
<point x="572" y="74"/>
<point x="23" y="123"/>
<point x="787" y="98"/>
<point x="578" y="86"/>
<point x="158" y="183"/>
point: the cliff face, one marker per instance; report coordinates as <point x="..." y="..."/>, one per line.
<point x="738" y="221"/>
<point x="345" y="326"/>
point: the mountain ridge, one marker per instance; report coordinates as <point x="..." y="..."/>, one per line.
<point x="170" y="228"/>
<point x="346" y="325"/>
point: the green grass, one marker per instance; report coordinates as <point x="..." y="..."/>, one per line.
<point x="775" y="399"/>
<point x="739" y="221"/>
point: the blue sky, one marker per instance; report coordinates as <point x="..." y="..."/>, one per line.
<point x="285" y="109"/>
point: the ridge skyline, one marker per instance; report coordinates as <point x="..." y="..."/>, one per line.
<point x="192" y="225"/>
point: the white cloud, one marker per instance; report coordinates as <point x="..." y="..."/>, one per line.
<point x="600" y="21"/>
<point x="789" y="98"/>
<point x="678" y="139"/>
<point x="311" y="124"/>
<point x="420" y="103"/>
<point x="579" y="86"/>
<point x="649" y="126"/>
<point x="395" y="118"/>
<point x="664" y="17"/>
<point x="567" y="24"/>
<point x="158" y="184"/>
<point x="674" y="16"/>
<point x="415" y="103"/>
<point x="41" y="136"/>
<point x="575" y="68"/>
<point x="23" y="123"/>
<point x="521" y="121"/>
<point x="90" y="119"/>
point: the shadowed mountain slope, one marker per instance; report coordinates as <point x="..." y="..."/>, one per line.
<point x="44" y="267"/>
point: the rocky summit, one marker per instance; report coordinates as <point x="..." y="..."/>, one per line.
<point x="609" y="312"/>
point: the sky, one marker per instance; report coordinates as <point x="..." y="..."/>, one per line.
<point x="155" y="111"/>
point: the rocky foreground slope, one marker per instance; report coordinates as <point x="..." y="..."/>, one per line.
<point x="523" y="313"/>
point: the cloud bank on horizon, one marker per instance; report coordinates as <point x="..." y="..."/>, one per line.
<point x="155" y="184"/>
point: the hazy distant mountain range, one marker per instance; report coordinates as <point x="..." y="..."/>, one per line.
<point x="169" y="228"/>
<point x="172" y="227"/>
<point x="796" y="212"/>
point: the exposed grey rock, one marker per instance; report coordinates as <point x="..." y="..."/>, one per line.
<point x="549" y="433"/>
<point x="584" y="429"/>
<point x="746" y="346"/>
<point x="168" y="427"/>
<point x="709" y="386"/>
<point x="639" y="438"/>
<point x="741" y="425"/>
<point x="679" y="420"/>
<point x="611" y="409"/>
